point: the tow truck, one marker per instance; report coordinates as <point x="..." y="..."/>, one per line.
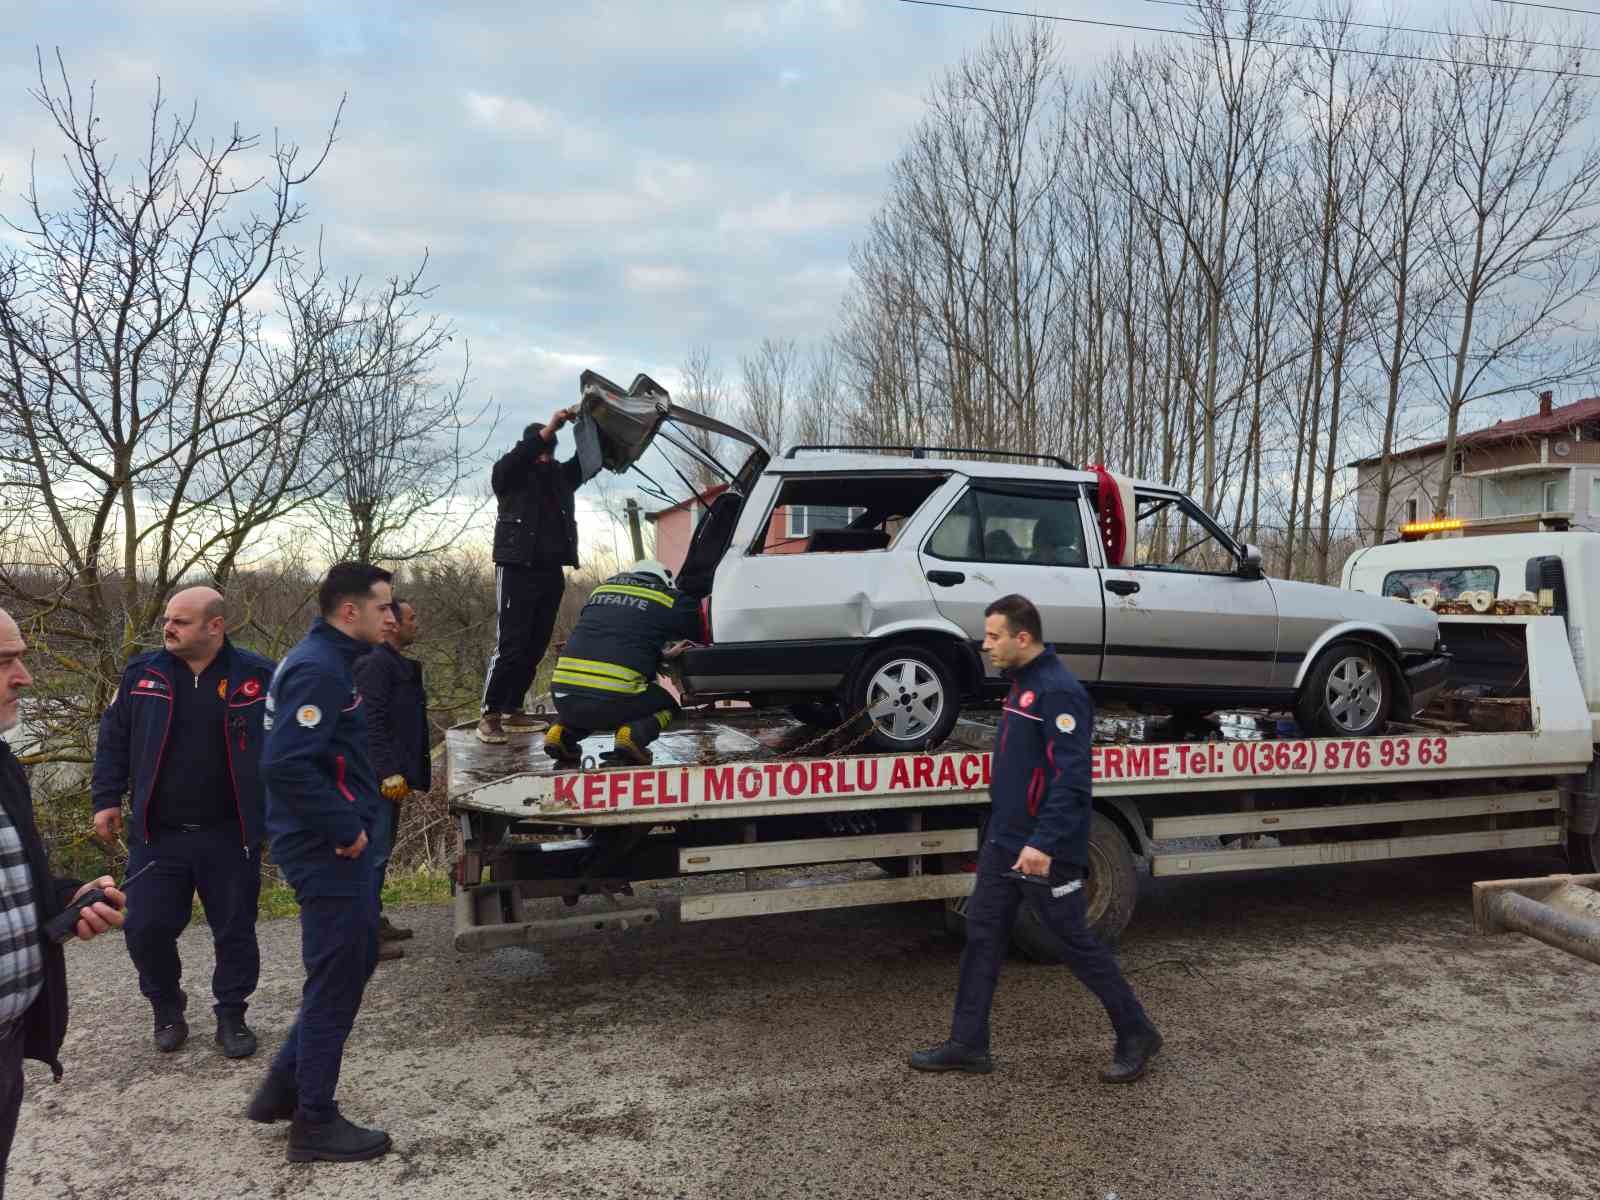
<point x="747" y="812"/>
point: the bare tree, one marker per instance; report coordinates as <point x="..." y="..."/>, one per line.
<point x="771" y="383"/>
<point x="1518" y="228"/>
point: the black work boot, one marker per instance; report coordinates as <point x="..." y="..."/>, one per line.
<point x="391" y="933"/>
<point x="561" y="748"/>
<point x="274" y="1100"/>
<point x="953" y="1056"/>
<point x="233" y="1035"/>
<point x="1131" y="1059"/>
<point x="630" y="748"/>
<point x="172" y="1031"/>
<point x="334" y="1141"/>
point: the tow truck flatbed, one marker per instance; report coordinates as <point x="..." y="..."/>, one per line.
<point x="743" y="790"/>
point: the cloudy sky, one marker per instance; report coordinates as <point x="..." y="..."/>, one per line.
<point x="605" y="183"/>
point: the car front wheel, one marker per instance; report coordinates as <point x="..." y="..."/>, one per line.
<point x="908" y="694"/>
<point x="1347" y="693"/>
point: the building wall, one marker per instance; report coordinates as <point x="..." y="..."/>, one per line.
<point x="675" y="529"/>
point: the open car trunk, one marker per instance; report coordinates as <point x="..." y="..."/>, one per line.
<point x="615" y="428"/>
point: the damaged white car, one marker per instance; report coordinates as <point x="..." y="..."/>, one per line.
<point x="874" y="602"/>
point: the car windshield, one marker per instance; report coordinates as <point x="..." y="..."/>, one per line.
<point x="1449" y="582"/>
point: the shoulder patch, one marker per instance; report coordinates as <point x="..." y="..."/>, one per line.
<point x="1066" y="723"/>
<point x="309" y="715"/>
<point x="252" y="688"/>
<point x="1026" y="700"/>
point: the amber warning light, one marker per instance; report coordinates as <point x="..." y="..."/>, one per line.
<point x="1416" y="529"/>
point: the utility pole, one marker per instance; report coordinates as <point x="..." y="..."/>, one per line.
<point x="634" y="530"/>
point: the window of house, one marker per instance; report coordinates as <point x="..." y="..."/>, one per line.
<point x="1411" y="510"/>
<point x="1555" y="495"/>
<point x="1455" y="463"/>
<point x="997" y="525"/>
<point x="806" y="519"/>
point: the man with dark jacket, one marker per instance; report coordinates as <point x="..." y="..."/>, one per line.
<point x="397" y="724"/>
<point x="184" y="730"/>
<point x="535" y="536"/>
<point x="605" y="677"/>
<point x="1036" y="850"/>
<point x="322" y="804"/>
<point x="33" y="969"/>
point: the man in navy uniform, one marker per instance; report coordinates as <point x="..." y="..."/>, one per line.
<point x="1036" y="850"/>
<point x="535" y="536"/>
<point x="397" y="722"/>
<point x="322" y="801"/>
<point x="605" y="677"/>
<point x="184" y="730"/>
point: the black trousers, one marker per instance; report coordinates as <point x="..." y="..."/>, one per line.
<point x="10" y="1092"/>
<point x="339" y="947"/>
<point x="990" y="914"/>
<point x="211" y="862"/>
<point x="527" y="600"/>
<point x="647" y="713"/>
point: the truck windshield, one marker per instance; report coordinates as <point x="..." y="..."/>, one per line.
<point x="1449" y="582"/>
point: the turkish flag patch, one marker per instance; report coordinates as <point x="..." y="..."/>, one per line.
<point x="1026" y="700"/>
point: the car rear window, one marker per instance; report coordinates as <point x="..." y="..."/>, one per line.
<point x="1449" y="582"/>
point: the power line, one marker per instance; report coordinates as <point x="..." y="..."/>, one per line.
<point x="1190" y="33"/>
<point x="1588" y="12"/>
<point x="1392" y="28"/>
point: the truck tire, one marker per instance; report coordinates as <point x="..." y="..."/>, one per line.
<point x="1583" y="823"/>
<point x="1113" y="891"/>
<point x="910" y="696"/>
<point x="1347" y="693"/>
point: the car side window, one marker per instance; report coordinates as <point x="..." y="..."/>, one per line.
<point x="1171" y="534"/>
<point x="1006" y="527"/>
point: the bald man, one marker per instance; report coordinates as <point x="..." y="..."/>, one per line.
<point x="183" y="736"/>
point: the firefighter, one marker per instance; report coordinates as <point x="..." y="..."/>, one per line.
<point x="321" y="806"/>
<point x="605" y="677"/>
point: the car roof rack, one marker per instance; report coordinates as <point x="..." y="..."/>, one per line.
<point x="924" y="451"/>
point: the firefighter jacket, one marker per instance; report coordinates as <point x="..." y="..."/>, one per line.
<point x="616" y="647"/>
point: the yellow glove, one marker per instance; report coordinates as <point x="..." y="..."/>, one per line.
<point x="395" y="788"/>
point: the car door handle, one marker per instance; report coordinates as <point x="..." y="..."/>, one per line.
<point x="946" y="578"/>
<point x="1122" y="587"/>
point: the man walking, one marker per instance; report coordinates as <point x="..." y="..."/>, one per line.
<point x="183" y="733"/>
<point x="397" y="726"/>
<point x="535" y="536"/>
<point x="33" y="969"/>
<point x="1036" y="850"/>
<point x="322" y="804"/>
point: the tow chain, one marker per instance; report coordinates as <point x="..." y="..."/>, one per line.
<point x="838" y="729"/>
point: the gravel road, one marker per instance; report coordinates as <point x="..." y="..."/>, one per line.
<point x="1331" y="1033"/>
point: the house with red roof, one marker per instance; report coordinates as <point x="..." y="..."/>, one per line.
<point x="791" y="525"/>
<point x="1541" y="471"/>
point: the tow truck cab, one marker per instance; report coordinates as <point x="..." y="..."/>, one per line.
<point x="1560" y="570"/>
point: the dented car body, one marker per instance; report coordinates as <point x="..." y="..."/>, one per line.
<point x="881" y="609"/>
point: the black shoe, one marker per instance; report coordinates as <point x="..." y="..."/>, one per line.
<point x="172" y="1031"/>
<point x="391" y="933"/>
<point x="953" y="1056"/>
<point x="274" y="1100"/>
<point x="389" y="951"/>
<point x="334" y="1141"/>
<point x="233" y="1035"/>
<point x="1131" y="1059"/>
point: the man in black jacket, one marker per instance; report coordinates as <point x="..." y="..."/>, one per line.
<point x="397" y="731"/>
<point x="33" y="970"/>
<point x="535" y="536"/>
<point x="182" y="737"/>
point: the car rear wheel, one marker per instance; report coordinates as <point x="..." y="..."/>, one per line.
<point x="909" y="695"/>
<point x="1348" y="692"/>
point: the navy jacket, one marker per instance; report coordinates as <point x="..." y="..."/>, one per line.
<point x="397" y="716"/>
<point x="133" y="734"/>
<point x="615" y="648"/>
<point x="321" y="790"/>
<point x="44" y="1025"/>
<point x="1039" y="788"/>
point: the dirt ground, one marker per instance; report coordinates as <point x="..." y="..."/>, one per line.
<point x="1331" y="1033"/>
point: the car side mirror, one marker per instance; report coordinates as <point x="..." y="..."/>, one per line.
<point x="1250" y="562"/>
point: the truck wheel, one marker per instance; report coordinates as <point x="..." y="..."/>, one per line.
<point x="1348" y="692"/>
<point x="1583" y="849"/>
<point x="909" y="696"/>
<point x="1112" y="887"/>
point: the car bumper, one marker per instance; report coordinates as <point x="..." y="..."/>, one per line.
<point x="1426" y="675"/>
